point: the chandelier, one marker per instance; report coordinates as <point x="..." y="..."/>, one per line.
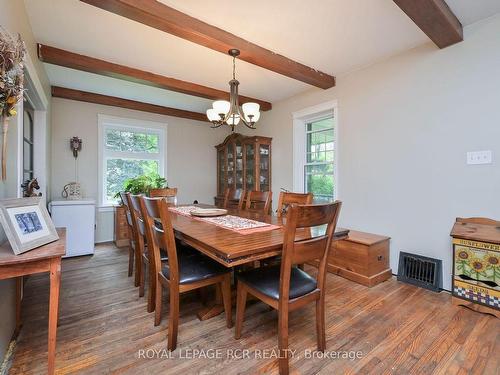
<point x="230" y="112"/>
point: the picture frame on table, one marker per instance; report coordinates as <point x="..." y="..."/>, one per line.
<point x="27" y="223"/>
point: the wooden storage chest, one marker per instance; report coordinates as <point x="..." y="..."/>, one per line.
<point x="361" y="257"/>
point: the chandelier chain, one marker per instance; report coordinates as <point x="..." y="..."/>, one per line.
<point x="234" y="67"/>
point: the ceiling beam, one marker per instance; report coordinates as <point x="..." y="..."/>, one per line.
<point x="435" y="19"/>
<point x="162" y="17"/>
<point x="72" y="60"/>
<point x="89" y="97"/>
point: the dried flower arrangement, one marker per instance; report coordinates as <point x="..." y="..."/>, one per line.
<point x="12" y="55"/>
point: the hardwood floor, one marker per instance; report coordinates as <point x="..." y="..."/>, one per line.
<point x="104" y="328"/>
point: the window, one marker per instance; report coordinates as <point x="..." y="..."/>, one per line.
<point x="28" y="136"/>
<point x="318" y="169"/>
<point x="128" y="148"/>
<point x="315" y="152"/>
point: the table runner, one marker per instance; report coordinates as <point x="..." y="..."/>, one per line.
<point x="237" y="224"/>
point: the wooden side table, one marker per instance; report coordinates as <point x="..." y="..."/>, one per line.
<point x="46" y="258"/>
<point x="121" y="227"/>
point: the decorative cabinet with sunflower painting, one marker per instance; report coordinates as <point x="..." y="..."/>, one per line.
<point x="476" y="264"/>
<point x="243" y="163"/>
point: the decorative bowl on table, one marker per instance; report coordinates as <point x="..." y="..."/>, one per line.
<point x="208" y="212"/>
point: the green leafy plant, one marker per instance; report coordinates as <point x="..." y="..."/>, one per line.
<point x="144" y="183"/>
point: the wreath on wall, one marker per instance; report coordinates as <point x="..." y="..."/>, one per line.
<point x="12" y="55"/>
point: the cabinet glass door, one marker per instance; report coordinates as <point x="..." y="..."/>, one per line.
<point x="230" y="165"/>
<point x="250" y="167"/>
<point x="264" y="167"/>
<point x="238" y="175"/>
<point x="221" y="167"/>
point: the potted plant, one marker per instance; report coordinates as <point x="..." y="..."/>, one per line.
<point x="144" y="183"/>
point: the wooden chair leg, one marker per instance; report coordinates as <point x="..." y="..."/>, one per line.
<point x="241" y="299"/>
<point x="142" y="277"/>
<point x="283" y="340"/>
<point x="130" y="261"/>
<point x="158" y="302"/>
<point x="138" y="267"/>
<point x="151" y="291"/>
<point x="173" y="319"/>
<point x="226" y="296"/>
<point x="320" y="324"/>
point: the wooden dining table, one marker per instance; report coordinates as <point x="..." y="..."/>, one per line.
<point x="236" y="248"/>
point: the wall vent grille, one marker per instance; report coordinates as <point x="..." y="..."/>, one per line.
<point x="421" y="271"/>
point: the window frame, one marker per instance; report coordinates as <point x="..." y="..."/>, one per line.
<point x="309" y="163"/>
<point x="300" y="120"/>
<point x="28" y="143"/>
<point x="106" y="122"/>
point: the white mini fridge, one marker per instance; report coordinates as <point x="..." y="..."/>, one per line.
<point x="78" y="217"/>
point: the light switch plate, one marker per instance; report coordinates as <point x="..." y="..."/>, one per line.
<point x="479" y="157"/>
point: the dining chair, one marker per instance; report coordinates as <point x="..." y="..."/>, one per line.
<point x="234" y="198"/>
<point x="259" y="201"/>
<point x="169" y="193"/>
<point x="144" y="251"/>
<point x="130" y="229"/>
<point x="179" y="273"/>
<point x="139" y="239"/>
<point x="287" y="198"/>
<point x="286" y="287"/>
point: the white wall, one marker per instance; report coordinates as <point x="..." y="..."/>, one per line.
<point x="405" y="126"/>
<point x="191" y="157"/>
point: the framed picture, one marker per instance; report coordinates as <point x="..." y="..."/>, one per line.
<point x="26" y="223"/>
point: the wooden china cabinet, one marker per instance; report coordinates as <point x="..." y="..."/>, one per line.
<point x="243" y="163"/>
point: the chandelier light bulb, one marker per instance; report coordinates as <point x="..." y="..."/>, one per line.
<point x="252" y="119"/>
<point x="233" y="120"/>
<point x="221" y="107"/>
<point x="212" y="115"/>
<point x="250" y="109"/>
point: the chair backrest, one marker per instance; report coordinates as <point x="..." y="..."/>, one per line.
<point x="287" y="198"/>
<point x="234" y="198"/>
<point x="259" y="201"/>
<point x="126" y="203"/>
<point x="304" y="250"/>
<point x="135" y="209"/>
<point x="155" y="211"/>
<point x="137" y="222"/>
<point x="163" y="193"/>
<point x="170" y="194"/>
<point x="130" y="217"/>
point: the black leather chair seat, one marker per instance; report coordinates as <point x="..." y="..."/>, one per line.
<point x="194" y="268"/>
<point x="267" y="281"/>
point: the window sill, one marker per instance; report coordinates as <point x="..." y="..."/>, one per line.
<point x="107" y="208"/>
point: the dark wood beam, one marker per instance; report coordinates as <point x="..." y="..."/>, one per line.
<point x="72" y="60"/>
<point x="162" y="17"/>
<point x="89" y="97"/>
<point x="435" y="19"/>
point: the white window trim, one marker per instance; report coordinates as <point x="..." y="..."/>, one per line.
<point x="300" y="119"/>
<point x="38" y="100"/>
<point x="104" y="122"/>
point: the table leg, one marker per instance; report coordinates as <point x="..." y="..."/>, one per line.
<point x="19" y="296"/>
<point x="214" y="309"/>
<point x="55" y="283"/>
